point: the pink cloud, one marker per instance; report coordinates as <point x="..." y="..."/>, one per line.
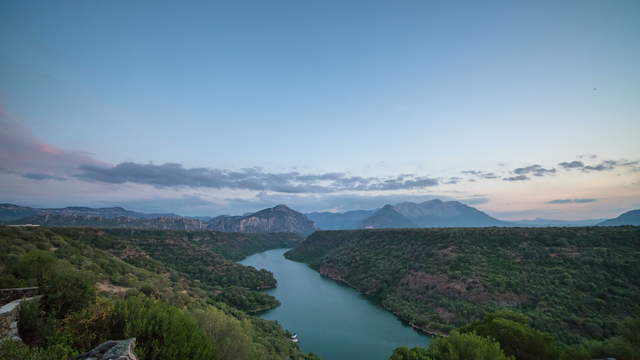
<point x="21" y="152"/>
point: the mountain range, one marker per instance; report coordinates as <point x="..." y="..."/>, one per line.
<point x="432" y="213"/>
<point x="277" y="219"/>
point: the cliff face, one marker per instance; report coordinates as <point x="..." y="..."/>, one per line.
<point x="277" y="219"/>
<point x="81" y="220"/>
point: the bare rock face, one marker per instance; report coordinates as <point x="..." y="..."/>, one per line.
<point x="111" y="350"/>
<point x="277" y="219"/>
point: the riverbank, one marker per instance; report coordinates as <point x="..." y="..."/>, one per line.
<point x="430" y="332"/>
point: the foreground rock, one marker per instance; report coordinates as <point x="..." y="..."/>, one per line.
<point x="111" y="350"/>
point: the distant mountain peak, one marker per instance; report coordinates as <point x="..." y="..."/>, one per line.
<point x="631" y="217"/>
<point x="282" y="207"/>
<point x="433" y="201"/>
<point x="430" y="213"/>
<point x="279" y="218"/>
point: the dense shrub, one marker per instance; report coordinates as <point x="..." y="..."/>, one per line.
<point x="162" y="332"/>
<point x="91" y="326"/>
<point x="231" y="336"/>
<point x="67" y="290"/>
<point x="515" y="336"/>
<point x="456" y="346"/>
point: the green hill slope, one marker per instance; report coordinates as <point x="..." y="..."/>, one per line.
<point x="573" y="282"/>
<point x="190" y="274"/>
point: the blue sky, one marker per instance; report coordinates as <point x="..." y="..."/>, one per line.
<point x="367" y="89"/>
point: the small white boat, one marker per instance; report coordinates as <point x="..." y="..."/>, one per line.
<point x="294" y="337"/>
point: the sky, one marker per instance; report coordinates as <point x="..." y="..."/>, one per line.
<point x="522" y="109"/>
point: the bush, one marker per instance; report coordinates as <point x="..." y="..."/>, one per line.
<point x="10" y="350"/>
<point x="67" y="290"/>
<point x="91" y="326"/>
<point x="34" y="325"/>
<point x="404" y="353"/>
<point x="16" y="350"/>
<point x="457" y="346"/>
<point x="162" y="332"/>
<point x="36" y="264"/>
<point x="231" y="338"/>
<point x="515" y="336"/>
<point x="470" y="346"/>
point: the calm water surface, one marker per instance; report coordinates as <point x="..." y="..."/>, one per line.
<point x="331" y="319"/>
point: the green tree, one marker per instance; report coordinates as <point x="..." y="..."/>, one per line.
<point x="231" y="338"/>
<point x="36" y="264"/>
<point x="404" y="353"/>
<point x="515" y="336"/>
<point x="67" y="290"/>
<point x="457" y="346"/>
<point x="162" y="331"/>
<point x="467" y="346"/>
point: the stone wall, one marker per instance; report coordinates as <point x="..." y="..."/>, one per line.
<point x="9" y="314"/>
<point x="10" y="300"/>
<point x="9" y="295"/>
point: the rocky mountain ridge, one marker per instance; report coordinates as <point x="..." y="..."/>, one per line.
<point x="432" y="213"/>
<point x="277" y="219"/>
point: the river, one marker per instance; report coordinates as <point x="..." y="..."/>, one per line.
<point x="332" y="320"/>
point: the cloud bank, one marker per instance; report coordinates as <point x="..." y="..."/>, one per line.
<point x="256" y="179"/>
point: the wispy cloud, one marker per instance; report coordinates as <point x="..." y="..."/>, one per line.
<point x="517" y="178"/>
<point x="535" y="170"/>
<point x="523" y="173"/>
<point x="572" y="201"/>
<point x="481" y="174"/>
<point x="602" y="166"/>
<point x="40" y="176"/>
<point x="452" y="180"/>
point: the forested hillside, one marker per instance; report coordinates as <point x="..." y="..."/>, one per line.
<point x="158" y="286"/>
<point x="576" y="283"/>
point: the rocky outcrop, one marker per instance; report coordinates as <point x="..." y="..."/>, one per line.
<point x="277" y="219"/>
<point x="111" y="350"/>
<point x="81" y="220"/>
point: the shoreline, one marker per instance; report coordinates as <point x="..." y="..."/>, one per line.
<point x="432" y="333"/>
